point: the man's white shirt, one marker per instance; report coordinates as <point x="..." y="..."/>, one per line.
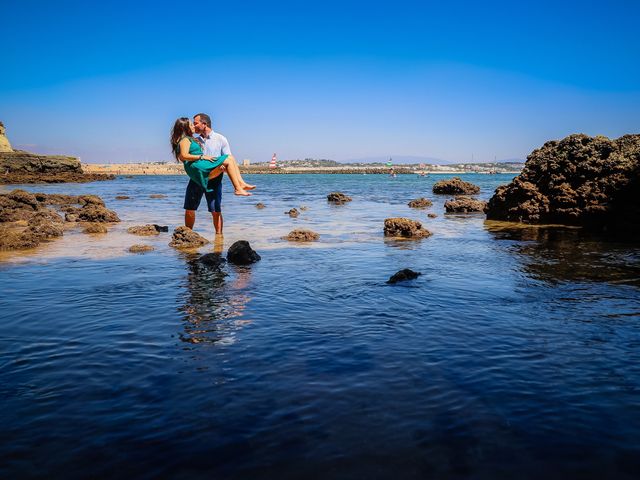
<point x="215" y="145"/>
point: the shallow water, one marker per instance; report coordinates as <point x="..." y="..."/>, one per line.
<point x="514" y="355"/>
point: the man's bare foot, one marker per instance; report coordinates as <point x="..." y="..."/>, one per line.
<point x="242" y="193"/>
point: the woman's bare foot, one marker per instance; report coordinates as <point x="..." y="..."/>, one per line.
<point x="242" y="193"/>
<point x="246" y="186"/>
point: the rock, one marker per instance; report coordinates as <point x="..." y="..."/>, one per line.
<point x="5" y="146"/>
<point x="122" y="197"/>
<point x="301" y="235"/>
<point x="431" y="215"/>
<point x="143" y="230"/>
<point x="260" y="205"/>
<point x="292" y="213"/>
<point x="464" y="205"/>
<point x="45" y="224"/>
<point x="241" y="253"/>
<point x="139" y="248"/>
<point x="455" y="186"/>
<point x="90" y="200"/>
<point x="338" y="198"/>
<point x="184" y="237"/>
<point x="214" y="260"/>
<point x="304" y="208"/>
<point x="70" y="217"/>
<point x="404" y="227"/>
<point x="17" y="205"/>
<point x="96" y="214"/>
<point x="56" y="199"/>
<point x="161" y="228"/>
<point x="580" y="180"/>
<point x="157" y="195"/>
<point x="13" y="239"/>
<point x="404" y="274"/>
<point x="420" y="203"/>
<point x="95" y="228"/>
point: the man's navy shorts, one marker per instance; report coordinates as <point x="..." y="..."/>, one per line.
<point x="193" y="195"/>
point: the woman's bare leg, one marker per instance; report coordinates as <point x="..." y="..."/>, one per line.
<point x="215" y="172"/>
<point x="234" y="176"/>
<point x="234" y="165"/>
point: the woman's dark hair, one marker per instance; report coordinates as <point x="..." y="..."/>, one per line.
<point x="180" y="130"/>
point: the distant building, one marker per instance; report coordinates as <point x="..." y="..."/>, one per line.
<point x="246" y="162"/>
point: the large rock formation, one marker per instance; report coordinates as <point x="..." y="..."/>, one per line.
<point x="580" y="180"/>
<point x="18" y="166"/>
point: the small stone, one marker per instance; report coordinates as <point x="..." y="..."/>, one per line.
<point x="431" y="215"/>
<point x="402" y="275"/>
<point x="90" y="200"/>
<point x="404" y="227"/>
<point x="260" y="205"/>
<point x="161" y="228"/>
<point x="338" y="198"/>
<point x="241" y="253"/>
<point x="184" y="237"/>
<point x="464" y="205"/>
<point x="95" y="228"/>
<point x="455" y="186"/>
<point x="92" y="212"/>
<point x="139" y="248"/>
<point x="157" y="195"/>
<point x="301" y="235"/>
<point x="304" y="208"/>
<point x="292" y="213"/>
<point x="143" y="230"/>
<point x="122" y="197"/>
<point x="70" y="217"/>
<point x="420" y="203"/>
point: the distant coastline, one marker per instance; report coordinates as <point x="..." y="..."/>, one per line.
<point x="177" y="169"/>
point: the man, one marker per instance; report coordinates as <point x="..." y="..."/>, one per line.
<point x="215" y="145"/>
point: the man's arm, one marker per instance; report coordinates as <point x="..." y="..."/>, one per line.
<point x="225" y="150"/>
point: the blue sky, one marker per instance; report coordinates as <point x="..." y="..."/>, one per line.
<point x="339" y="80"/>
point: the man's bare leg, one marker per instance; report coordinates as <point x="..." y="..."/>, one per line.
<point x="189" y="218"/>
<point x="217" y="222"/>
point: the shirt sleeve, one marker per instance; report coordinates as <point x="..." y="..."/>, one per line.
<point x="226" y="150"/>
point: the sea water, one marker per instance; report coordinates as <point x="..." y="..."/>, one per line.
<point x="516" y="353"/>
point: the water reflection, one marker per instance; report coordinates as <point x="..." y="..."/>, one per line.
<point x="213" y="306"/>
<point x="556" y="253"/>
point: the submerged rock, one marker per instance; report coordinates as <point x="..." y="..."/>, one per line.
<point x="122" y="197"/>
<point x="90" y="200"/>
<point x="241" y="253"/>
<point x="580" y="180"/>
<point x="304" y="208"/>
<point x="402" y="275"/>
<point x="432" y="215"/>
<point x="184" y="237"/>
<point x="292" y="213"/>
<point x="464" y="205"/>
<point x="338" y="198"/>
<point x="143" y="230"/>
<point x="95" y="213"/>
<point x="140" y="248"/>
<point x="455" y="186"/>
<point x="260" y="205"/>
<point x="95" y="228"/>
<point x="214" y="260"/>
<point x="302" y="235"/>
<point x="161" y="228"/>
<point x="420" y="203"/>
<point x="157" y="195"/>
<point x="404" y="227"/>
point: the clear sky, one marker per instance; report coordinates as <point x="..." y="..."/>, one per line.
<point x="330" y="79"/>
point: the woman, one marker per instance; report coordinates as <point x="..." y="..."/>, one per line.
<point x="201" y="168"/>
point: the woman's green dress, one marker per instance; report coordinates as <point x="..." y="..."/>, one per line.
<point x="199" y="170"/>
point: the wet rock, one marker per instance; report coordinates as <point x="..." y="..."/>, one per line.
<point x="304" y="208"/>
<point x="143" y="230"/>
<point x="122" y="197"/>
<point x="17" y="205"/>
<point x="338" y="198"/>
<point x="157" y="195"/>
<point x="14" y="239"/>
<point x="94" y="213"/>
<point x="293" y="213"/>
<point x="184" y="237"/>
<point x="431" y="215"/>
<point x="90" y="200"/>
<point x="70" y="217"/>
<point x="213" y="260"/>
<point x="420" y="203"/>
<point x="464" y="205"/>
<point x="302" y="235"/>
<point x="455" y="186"/>
<point x="45" y="224"/>
<point x="260" y="205"/>
<point x="579" y="180"/>
<point x="95" y="228"/>
<point x="161" y="228"/>
<point x="139" y="248"/>
<point x="404" y="227"/>
<point x="402" y="275"/>
<point x="241" y="253"/>
<point x="56" y="199"/>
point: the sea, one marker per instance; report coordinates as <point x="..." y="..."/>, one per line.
<point x="515" y="353"/>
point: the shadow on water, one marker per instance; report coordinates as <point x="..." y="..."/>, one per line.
<point x="213" y="301"/>
<point x="555" y="253"/>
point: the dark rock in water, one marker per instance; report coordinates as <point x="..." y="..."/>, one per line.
<point x="143" y="230"/>
<point x="260" y="205"/>
<point x="292" y="213"/>
<point x="161" y="228"/>
<point x="580" y="180"/>
<point x="301" y="235"/>
<point x="214" y="260"/>
<point x="95" y="228"/>
<point x="404" y="227"/>
<point x="431" y="215"/>
<point x="420" y="203"/>
<point x="464" y="205"/>
<point x="455" y="186"/>
<point x="404" y="274"/>
<point x="122" y="197"/>
<point x="140" y="248"/>
<point x="338" y="198"/>
<point x="157" y="195"/>
<point x="184" y="237"/>
<point x="241" y="253"/>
